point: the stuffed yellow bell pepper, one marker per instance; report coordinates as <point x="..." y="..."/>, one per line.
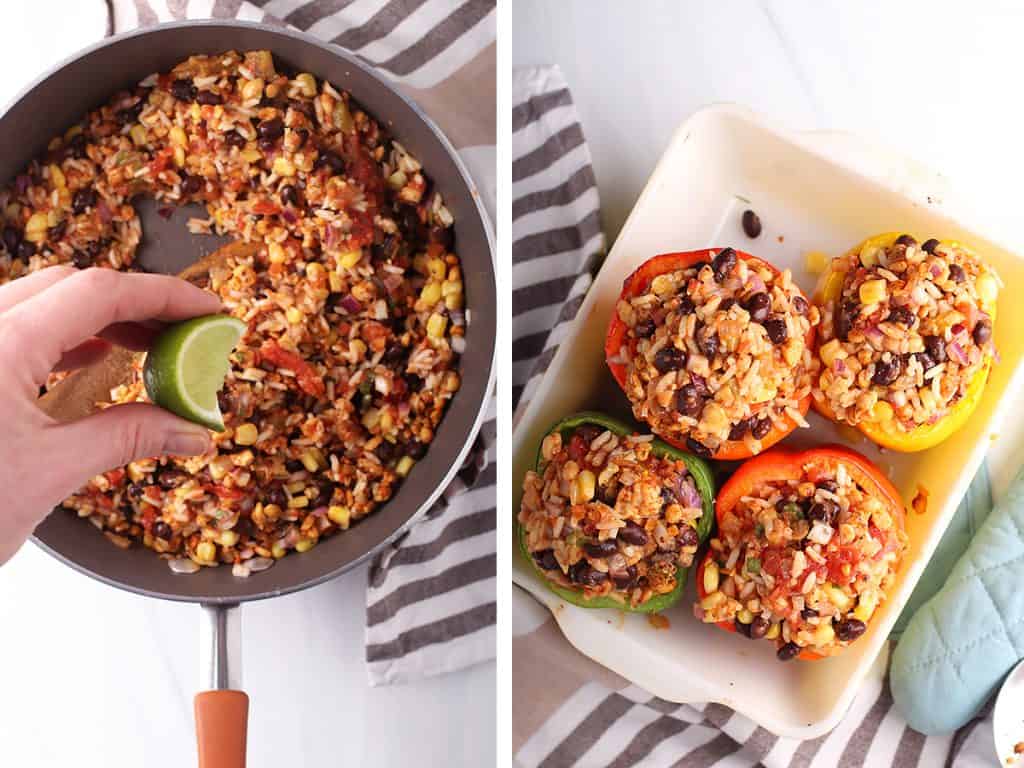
<point x="905" y="339"/>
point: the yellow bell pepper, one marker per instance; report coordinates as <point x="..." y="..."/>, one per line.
<point x="884" y="432"/>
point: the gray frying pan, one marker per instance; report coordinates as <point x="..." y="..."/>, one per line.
<point x="60" y="98"/>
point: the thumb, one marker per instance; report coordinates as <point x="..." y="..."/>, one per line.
<point x="120" y="434"/>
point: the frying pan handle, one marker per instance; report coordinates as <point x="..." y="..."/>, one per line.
<point x="222" y="713"/>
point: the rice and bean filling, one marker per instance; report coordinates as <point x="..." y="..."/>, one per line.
<point x="604" y="515"/>
<point x="804" y="564"/>
<point x="908" y="333"/>
<point x="353" y="302"/>
<point x="717" y="352"/>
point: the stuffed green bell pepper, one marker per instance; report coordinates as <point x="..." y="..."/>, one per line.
<point x="611" y="518"/>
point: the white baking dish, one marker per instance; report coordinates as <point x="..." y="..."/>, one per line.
<point x="813" y="192"/>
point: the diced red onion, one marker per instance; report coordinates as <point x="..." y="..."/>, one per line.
<point x="936" y="270"/>
<point x="840" y="367"/>
<point x="333" y="236"/>
<point x="391" y="281"/>
<point x="458" y="317"/>
<point x="875" y="336"/>
<point x="755" y="283"/>
<point x="103" y="211"/>
<point x="956" y="352"/>
<point x="350" y="304"/>
<point x="289" y="215"/>
<point x="165" y="211"/>
<point x="458" y="344"/>
<point x="699" y="384"/>
<point x="687" y="493"/>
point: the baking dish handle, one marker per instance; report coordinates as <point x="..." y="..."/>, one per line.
<point x="222" y="712"/>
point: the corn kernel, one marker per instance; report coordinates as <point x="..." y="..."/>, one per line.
<point x="297" y="502"/>
<point x="882" y="411"/>
<point x="824" y="634"/>
<point x="296" y="487"/>
<point x="451" y="381"/>
<point x="873" y="291"/>
<point x="57" y="177"/>
<point x="219" y="467"/>
<point x="713" y="600"/>
<point x="306" y="83"/>
<point x="35" y="228"/>
<point x="139" y="135"/>
<point x="243" y="458"/>
<point x="252" y="155"/>
<point x="278" y="550"/>
<point x="816" y="262"/>
<point x="866" y="606"/>
<point x="711" y="577"/>
<point x="743" y="616"/>
<point x="283" y="166"/>
<point x="272" y="511"/>
<point x="988" y="289"/>
<point x="206" y="552"/>
<point x="252" y="89"/>
<point x="436" y="269"/>
<point x="713" y="418"/>
<point x="348" y="259"/>
<point x="179" y="157"/>
<point x="404" y="466"/>
<point x="662" y="284"/>
<point x="773" y="631"/>
<point x="227" y="538"/>
<point x="583" y="487"/>
<point x="73" y="131"/>
<point x="135" y="472"/>
<point x="246" y="434"/>
<point x="343" y="117"/>
<point x="431" y="294"/>
<point x="178" y="137"/>
<point x="452" y="292"/>
<point x="294" y="315"/>
<point x="927" y="398"/>
<point x="397" y="180"/>
<point x="869" y="255"/>
<point x="334" y="280"/>
<point x="276" y="253"/>
<point x="313" y="459"/>
<point x="436" y="325"/>
<point x="195" y="112"/>
<point x="837" y="597"/>
<point x="315" y="272"/>
<point x="340" y="516"/>
<point x="832" y="351"/>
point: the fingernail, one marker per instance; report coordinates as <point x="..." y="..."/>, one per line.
<point x="188" y="442"/>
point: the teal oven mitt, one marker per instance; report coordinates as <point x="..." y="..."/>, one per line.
<point x="963" y="641"/>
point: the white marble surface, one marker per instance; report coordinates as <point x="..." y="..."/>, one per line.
<point x="93" y="677"/>
<point x="934" y="81"/>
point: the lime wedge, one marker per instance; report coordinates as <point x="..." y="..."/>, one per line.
<point x="187" y="364"/>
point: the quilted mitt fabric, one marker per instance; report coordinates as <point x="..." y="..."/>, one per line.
<point x="958" y="648"/>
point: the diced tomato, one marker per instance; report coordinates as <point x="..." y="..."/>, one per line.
<point x="578" y="448"/>
<point x="841" y="563"/>
<point x="224" y="493"/>
<point x="266" y="208"/>
<point x="115" y="476"/>
<point x="308" y="380"/>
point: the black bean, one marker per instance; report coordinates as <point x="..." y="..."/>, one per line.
<point x="414" y="449"/>
<point x="698" y="448"/>
<point x="413" y="383"/>
<point x="688" y="536"/>
<point x="686" y="306"/>
<point x="545" y="558"/>
<point x="925" y="360"/>
<point x="808" y="613"/>
<point x="266" y="144"/>
<point x="135" y="491"/>
<point x="276" y="495"/>
<point x="325" y="492"/>
<point x="385" y="451"/>
<point x="209" y="98"/>
<point x="707" y="342"/>
<point x="787" y="651"/>
<point x="844" y="319"/>
<point x="956" y="273"/>
<point x="826" y="510"/>
<point x="828" y="485"/>
<point x="631" y="533"/>
<point x="759" y="306"/>
<point x="689" y="402"/>
<point x="168" y="478"/>
<point x="776" y="329"/>
<point x="598" y="549"/>
<point x="294" y="465"/>
<point x="271" y="129"/>
<point x="128" y="114"/>
<point x="982" y="332"/>
<point x="668" y="496"/>
<point x="887" y="371"/>
<point x="11" y="239"/>
<point x="81" y="259"/>
<point x="669" y="359"/>
<point x="162" y="531"/>
<point x="588" y="432"/>
<point x="751" y="224"/>
<point x="190" y="184"/>
<point x="26" y="250"/>
<point x="800" y="305"/>
<point x="304" y="107"/>
<point x="643" y="328"/>
<point x="57" y="231"/>
<point x="583" y="574"/>
<point x="183" y="90"/>
<point x="624" y="579"/>
<point x="724" y="263"/>
<point x="739" y="430"/>
<point x="741" y="628"/>
<point x="759" y="627"/>
<point x="901" y="315"/>
<point x="929" y="245"/>
<point x="697" y="266"/>
<point x="84" y="199"/>
<point x="726" y="305"/>
<point x="848" y="630"/>
<point x="303" y="135"/>
<point x="395" y="353"/>
<point x="234" y="139"/>
<point x="290" y="195"/>
<point x="936" y="347"/>
<point x="330" y="160"/>
<point x="760" y="428"/>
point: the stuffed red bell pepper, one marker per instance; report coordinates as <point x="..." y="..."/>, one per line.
<point x="713" y="348"/>
<point x="808" y="544"/>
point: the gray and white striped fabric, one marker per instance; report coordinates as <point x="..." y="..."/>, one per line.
<point x="568" y="710"/>
<point x="431" y="601"/>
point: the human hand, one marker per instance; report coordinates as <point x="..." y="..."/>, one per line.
<point x="60" y="319"/>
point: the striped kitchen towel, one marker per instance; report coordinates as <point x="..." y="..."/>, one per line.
<point x="568" y="710"/>
<point x="431" y="600"/>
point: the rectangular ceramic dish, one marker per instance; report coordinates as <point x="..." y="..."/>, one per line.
<point x="812" y="192"/>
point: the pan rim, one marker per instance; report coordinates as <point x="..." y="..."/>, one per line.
<point x="468" y="438"/>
